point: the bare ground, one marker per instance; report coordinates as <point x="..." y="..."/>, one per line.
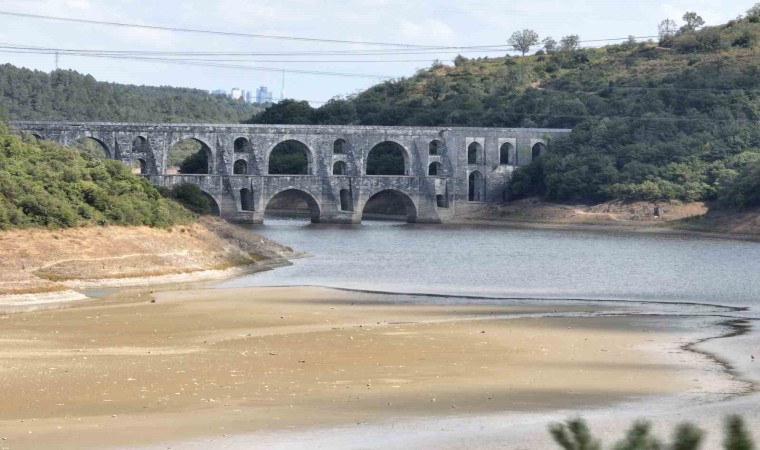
<point x="124" y="371"/>
<point x="645" y="216"/>
<point x="39" y="261"/>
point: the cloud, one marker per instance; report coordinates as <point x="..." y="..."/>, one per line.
<point x="428" y="31"/>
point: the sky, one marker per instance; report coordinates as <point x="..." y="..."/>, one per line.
<point x="442" y="23"/>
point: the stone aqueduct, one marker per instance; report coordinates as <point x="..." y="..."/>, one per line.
<point x="445" y="168"/>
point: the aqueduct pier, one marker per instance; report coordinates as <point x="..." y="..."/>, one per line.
<point x="444" y="168"/>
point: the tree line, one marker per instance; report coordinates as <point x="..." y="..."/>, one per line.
<point x="675" y="119"/>
<point x="67" y="95"/>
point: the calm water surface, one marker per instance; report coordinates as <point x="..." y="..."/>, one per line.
<point x="501" y="262"/>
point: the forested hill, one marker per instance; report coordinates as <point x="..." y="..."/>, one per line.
<point x="67" y="95"/>
<point x="674" y="119"/>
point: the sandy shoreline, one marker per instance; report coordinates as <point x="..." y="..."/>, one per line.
<point x="70" y="290"/>
<point x="696" y="219"/>
<point x="122" y="371"/>
<point x="50" y="265"/>
<point x="643" y="228"/>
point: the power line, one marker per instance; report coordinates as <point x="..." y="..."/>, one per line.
<point x="218" y="63"/>
<point x="213" y="56"/>
<point x="426" y="50"/>
<point x="235" y="66"/>
<point x="270" y="54"/>
<point x="199" y="31"/>
<point x="263" y="36"/>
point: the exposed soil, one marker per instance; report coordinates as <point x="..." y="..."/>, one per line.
<point x="695" y="216"/>
<point x="123" y="371"/>
<point x="41" y="261"/>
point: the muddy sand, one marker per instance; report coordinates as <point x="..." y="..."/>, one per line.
<point x="123" y="371"/>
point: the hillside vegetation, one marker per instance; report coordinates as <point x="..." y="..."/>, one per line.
<point x="45" y="184"/>
<point x="67" y="95"/>
<point x="672" y="120"/>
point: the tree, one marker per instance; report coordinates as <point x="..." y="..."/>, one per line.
<point x="191" y="197"/>
<point x="436" y="87"/>
<point x="629" y="43"/>
<point x="667" y="29"/>
<point x="460" y="61"/>
<point x="693" y="21"/>
<point x="523" y="40"/>
<point x="753" y="14"/>
<point x="287" y="111"/>
<point x="570" y="43"/>
<point x="639" y="438"/>
<point x="195" y="163"/>
<point x="574" y="435"/>
<point x="336" y="111"/>
<point x="550" y="45"/>
<point x="687" y="437"/>
<point x="737" y="437"/>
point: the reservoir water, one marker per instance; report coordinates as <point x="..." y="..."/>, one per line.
<point x="515" y="263"/>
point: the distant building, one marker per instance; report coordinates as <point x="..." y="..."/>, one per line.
<point x="263" y="96"/>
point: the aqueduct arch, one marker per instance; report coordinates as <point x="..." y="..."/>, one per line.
<point x="315" y="210"/>
<point x="290" y="157"/>
<point x="387" y="158"/>
<point x="409" y="206"/>
<point x="433" y="175"/>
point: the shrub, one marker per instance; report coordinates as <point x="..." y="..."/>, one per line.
<point x="45" y="184"/>
<point x="191" y="197"/>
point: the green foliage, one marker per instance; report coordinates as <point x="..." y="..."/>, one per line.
<point x="570" y="43"/>
<point x="180" y="151"/>
<point x="67" y="95"/>
<point x="648" y="123"/>
<point x="639" y="438"/>
<point x="753" y="14"/>
<point x="386" y="159"/>
<point x="523" y="40"/>
<point x="574" y="435"/>
<point x="736" y="435"/>
<point x="195" y="163"/>
<point x="286" y="112"/>
<point x="289" y="158"/>
<point x="693" y="21"/>
<point x="191" y="196"/>
<point x="687" y="437"/>
<point x="550" y="45"/>
<point x="335" y="112"/>
<point x="45" y="184"/>
<point x="89" y="148"/>
<point x="666" y="30"/>
<point x="743" y="190"/>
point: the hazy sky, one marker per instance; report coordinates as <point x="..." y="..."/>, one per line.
<point x="421" y="22"/>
